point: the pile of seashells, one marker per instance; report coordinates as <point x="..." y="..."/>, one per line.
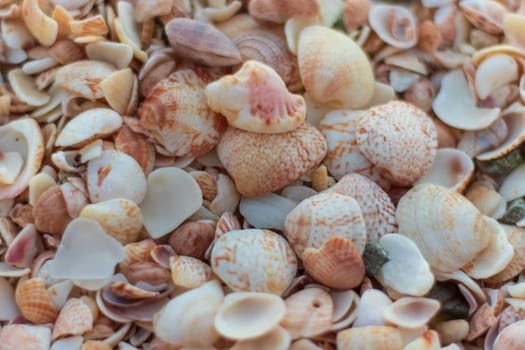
<point x="262" y="175"/>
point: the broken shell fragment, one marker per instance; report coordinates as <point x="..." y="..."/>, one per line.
<point x="256" y="99"/>
<point x="43" y="27"/>
<point x="25" y="336"/>
<point x="83" y="78"/>
<point x="25" y="89"/>
<point x="511" y="337"/>
<point x="276" y="339"/>
<point x="494" y="72"/>
<point x="279" y="12"/>
<point x="34" y="302"/>
<point x="411" y="312"/>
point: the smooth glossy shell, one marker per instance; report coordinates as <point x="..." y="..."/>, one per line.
<point x="511" y="337"/>
<point x="254" y="260"/>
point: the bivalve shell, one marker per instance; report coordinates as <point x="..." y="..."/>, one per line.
<point x="370" y="337"/>
<point x="34" y="302"/>
<point x="395" y="25"/>
<point x="411" y="313"/>
<point x="50" y="211"/>
<point x="75" y="318"/>
<point x="25" y="336"/>
<point x="279" y="11"/>
<point x="83" y="78"/>
<point x="511" y="337"/>
<point x="188" y="272"/>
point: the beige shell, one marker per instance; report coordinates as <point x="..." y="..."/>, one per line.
<point x="264" y="312"/>
<point x="175" y="113"/>
<point x="75" y="318"/>
<point x="43" y="27"/>
<point x="254" y="260"/>
<point x="83" y="78"/>
<point x="256" y="99"/>
<point x="279" y="11"/>
<point x="50" y="211"/>
<point x="395" y="25"/>
<point x="485" y="197"/>
<point x="334" y="69"/>
<point x="188" y="272"/>
<point x="337" y="264"/>
<point x="309" y="312"/>
<point x="316" y="219"/>
<point x="25" y="336"/>
<point x="486" y="15"/>
<point x="370" y="337"/>
<point x="375" y="204"/>
<point x="511" y="337"/>
<point x="400" y="140"/>
<point x="264" y="163"/>
<point x="411" y="313"/>
<point x="34" y="302"/>
<point x="276" y="339"/>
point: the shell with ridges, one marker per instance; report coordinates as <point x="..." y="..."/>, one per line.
<point x="50" y="211"/>
<point x="34" y="302"/>
<point x="188" y="272"/>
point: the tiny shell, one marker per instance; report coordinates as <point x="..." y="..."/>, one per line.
<point x="75" y="318"/>
<point x="411" y="312"/>
<point x="371" y="337"/>
<point x="25" y="89"/>
<point x="188" y="272"/>
<point x="494" y="72"/>
<point x="34" y="302"/>
<point x="25" y="336"/>
<point x="83" y="78"/>
<point x="395" y="25"/>
<point x="256" y="99"/>
<point x="117" y="54"/>
<point x="254" y="260"/>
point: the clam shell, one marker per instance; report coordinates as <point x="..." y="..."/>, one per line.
<point x="254" y="260"/>
<point x="256" y="99"/>
<point x="276" y="339"/>
<point x="43" y="27"/>
<point x="175" y="113"/>
<point x="375" y="204"/>
<point x="117" y="54"/>
<point x="411" y="312"/>
<point x="334" y="69"/>
<point x="395" y="25"/>
<point x="400" y="140"/>
<point x="34" y="302"/>
<point x="370" y="338"/>
<point x="264" y="163"/>
<point x="188" y="272"/>
<point x="322" y="216"/>
<point x="75" y="318"/>
<point x="264" y="312"/>
<point x="268" y="211"/>
<point x="207" y="184"/>
<point x="50" y="211"/>
<point x="25" y="336"/>
<point x="83" y="78"/>
<point x="308" y="313"/>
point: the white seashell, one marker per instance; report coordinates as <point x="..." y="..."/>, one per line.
<point x="304" y="344"/>
<point x="254" y="260"/>
<point x="298" y="193"/>
<point x="411" y="312"/>
<point x="405" y="261"/>
<point x="401" y="81"/>
<point x="267" y="211"/>
<point x="227" y="196"/>
<point x="39" y="66"/>
<point x="371" y="337"/>
<point x="173" y="195"/>
<point x="346" y="304"/>
<point x="455" y="99"/>
<point x="25" y="89"/>
<point x="128" y="30"/>
<point x="513" y="186"/>
<point x="515" y="124"/>
<point x="83" y="78"/>
<point x="193" y="313"/>
<point x="15" y="34"/>
<point x="10" y="167"/>
<point x="293" y="28"/>
<point x="117" y="54"/>
<point x="372" y="304"/>
<point x="276" y="339"/>
<point x="245" y="315"/>
<point x="105" y="175"/>
<point x="69" y="343"/>
<point x="476" y="142"/>
<point x="494" y="72"/>
<point x="395" y="25"/>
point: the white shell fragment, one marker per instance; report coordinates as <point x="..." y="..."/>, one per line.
<point x="395" y="25"/>
<point x="494" y="72"/>
<point x="25" y="89"/>
<point x="268" y="211"/>
<point x="173" y="195"/>
<point x="411" y="312"/>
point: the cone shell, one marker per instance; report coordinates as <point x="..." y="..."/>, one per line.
<point x="375" y="204"/>
<point x="256" y="99"/>
<point x="337" y="264"/>
<point x="316" y="219"/>
<point x="189" y="272"/>
<point x="264" y="163"/>
<point x="400" y="140"/>
<point x="175" y="113"/>
<point x="370" y="338"/>
<point x="334" y="69"/>
<point x="34" y="302"/>
<point x="264" y="312"/>
<point x="254" y="260"/>
<point x="75" y="318"/>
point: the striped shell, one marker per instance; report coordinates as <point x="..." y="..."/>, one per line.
<point x="34" y="302"/>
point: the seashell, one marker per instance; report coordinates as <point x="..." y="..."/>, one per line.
<point x="455" y="99"/>
<point x="261" y="104"/>
<point x="25" y="89"/>
<point x="94" y="25"/>
<point x="376" y="206"/>
<point x="510" y="338"/>
<point x="162" y="208"/>
<point x="476" y="142"/>
<point x="401" y="80"/>
<point x="427" y="341"/>
<point x="176" y="115"/>
<point x="50" y="211"/>
<point x="25" y="247"/>
<point x="404" y="260"/>
<point x="66" y="51"/>
<point x="321" y="217"/>
<point x="75" y="318"/>
<point x="193" y="317"/>
<point x="34" y="302"/>
<point x="511" y="187"/>
<point x="120" y="218"/>
<point x="276" y="339"/>
<point x="201" y="42"/>
<point x="383" y="138"/>
<point x="7" y="296"/>
<point x="355" y="13"/>
<point x="15" y="34"/>
<point x="41" y="26"/>
<point x="105" y="174"/>
<point x="269" y="162"/>
<point x="309" y="313"/>
<point x="267" y="211"/>
<point x="451" y="168"/>
<point x="325" y="73"/>
<point x="117" y="89"/>
<point x="421" y="94"/>
<point x="512" y="23"/>
<point x="278" y="11"/>
<point x="515" y="124"/>
<point x="145" y="9"/>
<point x="233" y="254"/>
<point x="25" y="336"/>
<point x="494" y="72"/>
<point x="227" y="196"/>
<point x="193" y="238"/>
<point x="452" y="331"/>
<point x="516" y="237"/>
<point x="371" y="307"/>
<point x="337" y="264"/>
<point x="410" y="312"/>
<point x="21" y="214"/>
<point x="264" y="311"/>
<point x="486" y="15"/>
<point x="127" y="29"/>
<point x="188" y="272"/>
<point x="95" y="345"/>
<point x="136" y="145"/>
<point x="370" y="337"/>
<point x="207" y="184"/>
<point x="429" y="36"/>
<point x="117" y="54"/>
<point x="293" y="28"/>
<point x="395" y="25"/>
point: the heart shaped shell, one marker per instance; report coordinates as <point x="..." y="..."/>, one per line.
<point x="175" y="113"/>
<point x="334" y="69"/>
<point x="256" y="99"/>
<point x="254" y="260"/>
<point x="264" y="163"/>
<point x="400" y="140"/>
<point x="320" y="217"/>
<point x="34" y="302"/>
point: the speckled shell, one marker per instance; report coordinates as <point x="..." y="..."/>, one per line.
<point x="400" y="140"/>
<point x="25" y="336"/>
<point x="316" y="219"/>
<point x="188" y="272"/>
<point x="343" y="155"/>
<point x="256" y="99"/>
<point x="75" y="318"/>
<point x="378" y="211"/>
<point x="34" y="302"/>
<point x="175" y="113"/>
<point x="334" y="69"/>
<point x="264" y="163"/>
<point x="254" y="260"/>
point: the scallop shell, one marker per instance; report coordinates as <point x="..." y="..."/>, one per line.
<point x="375" y="204"/>
<point x="411" y="313"/>
<point x="279" y="11"/>
<point x="264" y="163"/>
<point x="400" y="140"/>
<point x="50" y="211"/>
<point x="75" y="318"/>
<point x="175" y="113"/>
<point x="334" y="69"/>
<point x="25" y="336"/>
<point x="256" y="99"/>
<point x="395" y="25"/>
<point x="34" y="302"/>
<point x="83" y="78"/>
<point x="370" y="338"/>
<point x="188" y="272"/>
<point x="264" y="311"/>
<point x="254" y="260"/>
